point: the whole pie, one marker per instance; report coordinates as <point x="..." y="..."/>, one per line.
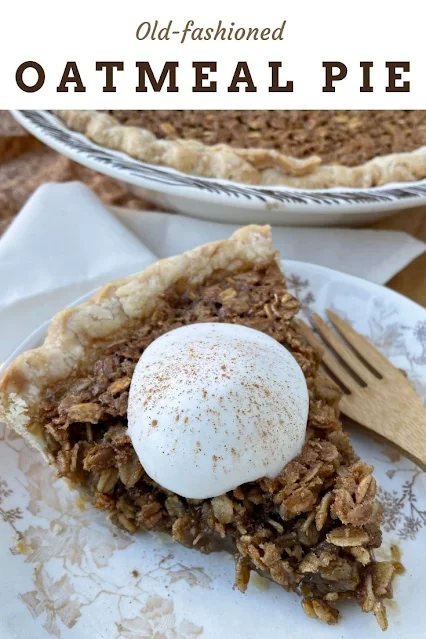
<point x="312" y="528"/>
<point x="304" y="149"/>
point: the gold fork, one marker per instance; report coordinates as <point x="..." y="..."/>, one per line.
<point x="377" y="395"/>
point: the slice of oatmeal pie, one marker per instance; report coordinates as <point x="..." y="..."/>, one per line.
<point x="311" y="529"/>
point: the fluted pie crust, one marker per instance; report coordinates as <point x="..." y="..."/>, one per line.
<point x="312" y="529"/>
<point x="255" y="166"/>
<point x="76" y="335"/>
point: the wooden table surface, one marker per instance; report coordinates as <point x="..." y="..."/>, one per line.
<point x="412" y="280"/>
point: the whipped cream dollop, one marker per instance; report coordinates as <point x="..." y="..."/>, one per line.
<point x="213" y="406"/>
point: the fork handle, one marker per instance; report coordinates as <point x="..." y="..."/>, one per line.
<point x="409" y="429"/>
<point x="394" y="411"/>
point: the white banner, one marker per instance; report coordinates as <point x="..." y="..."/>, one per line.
<point x="367" y="54"/>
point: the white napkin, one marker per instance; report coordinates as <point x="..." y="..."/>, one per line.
<point x="65" y="242"/>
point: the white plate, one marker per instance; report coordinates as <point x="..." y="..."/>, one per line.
<point x="80" y="577"/>
<point x="224" y="201"/>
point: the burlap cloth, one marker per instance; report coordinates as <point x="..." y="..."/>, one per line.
<point x="25" y="163"/>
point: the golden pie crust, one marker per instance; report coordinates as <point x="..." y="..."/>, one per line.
<point x="76" y="335"/>
<point x="267" y="167"/>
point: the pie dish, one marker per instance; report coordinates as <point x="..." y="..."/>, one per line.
<point x="222" y="200"/>
<point x="311" y="529"/>
<point x="300" y="149"/>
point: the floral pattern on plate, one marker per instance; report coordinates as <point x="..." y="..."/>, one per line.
<point x="68" y="573"/>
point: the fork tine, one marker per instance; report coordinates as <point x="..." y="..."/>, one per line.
<point x="361" y="345"/>
<point x="328" y="359"/>
<point x="342" y="350"/>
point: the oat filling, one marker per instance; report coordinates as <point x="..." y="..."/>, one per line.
<point x="349" y="138"/>
<point x="312" y="529"/>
